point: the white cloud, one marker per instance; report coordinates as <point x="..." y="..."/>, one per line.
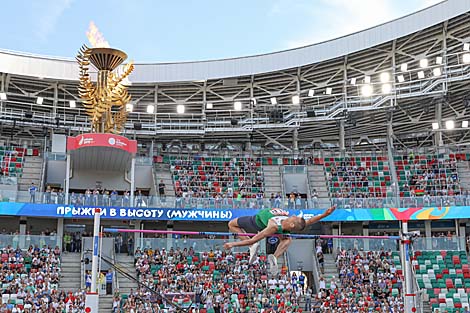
<point x="48" y="13"/>
<point x="335" y="18"/>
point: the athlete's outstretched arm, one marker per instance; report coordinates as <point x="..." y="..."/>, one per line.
<point x="317" y="218"/>
<point x="268" y="231"/>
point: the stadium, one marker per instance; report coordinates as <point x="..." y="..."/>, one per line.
<point x="124" y="186"/>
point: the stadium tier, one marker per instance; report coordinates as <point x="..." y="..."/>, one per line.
<point x="358" y="177"/>
<point x="445" y="277"/>
<point x="205" y="177"/>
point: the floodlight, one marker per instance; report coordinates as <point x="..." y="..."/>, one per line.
<point x="367" y="79"/>
<point x="435" y="125"/>
<point x="464" y="124"/>
<point x="450" y="124"/>
<point x="209" y="105"/>
<point x="423" y="63"/>
<point x="273" y="100"/>
<point x="353" y="81"/>
<point x="466" y="46"/>
<point x="386" y="88"/>
<point x="150" y="108"/>
<point x="72" y="104"/>
<point x="438" y="60"/>
<point x="311" y="92"/>
<point x="329" y="91"/>
<point x="421" y="74"/>
<point x="385" y="77"/>
<point x="129" y="107"/>
<point x="3" y="96"/>
<point x="237" y="106"/>
<point x="367" y="90"/>
<point x="466" y="58"/>
<point x="437" y="72"/>
<point x="180" y="108"/>
<point x="39" y="100"/>
<point x="404" y="67"/>
<point x="295" y="100"/>
<point x="401" y="78"/>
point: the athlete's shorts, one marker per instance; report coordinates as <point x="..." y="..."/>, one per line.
<point x="248" y="224"/>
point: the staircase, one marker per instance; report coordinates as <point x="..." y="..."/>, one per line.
<point x="272" y="180"/>
<point x="32" y="173"/>
<point x="70" y="279"/>
<point x="330" y="270"/>
<point x="162" y="172"/>
<point x="317" y="182"/>
<point x="463" y="169"/>
<point x="106" y="304"/>
<point x="126" y="263"/>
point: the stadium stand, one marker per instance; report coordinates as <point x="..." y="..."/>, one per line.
<point x="358" y="176"/>
<point x="432" y="175"/>
<point x="445" y="276"/>
<point x="29" y="280"/>
<point x="206" y="177"/>
<point x="216" y="279"/>
<point x="369" y="281"/>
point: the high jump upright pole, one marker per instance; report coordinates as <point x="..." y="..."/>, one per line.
<point x="409" y="295"/>
<point x="96" y="244"/>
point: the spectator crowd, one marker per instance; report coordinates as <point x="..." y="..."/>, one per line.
<point x="213" y="281"/>
<point x="368" y="282"/>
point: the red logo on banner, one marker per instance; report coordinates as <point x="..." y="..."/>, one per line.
<point x="101" y="140"/>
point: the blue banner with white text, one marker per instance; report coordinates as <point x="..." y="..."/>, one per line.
<point x="210" y="214"/>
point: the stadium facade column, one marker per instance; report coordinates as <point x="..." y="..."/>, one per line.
<point x="341" y="142"/>
<point x="438" y="134"/>
<point x="23" y="226"/>
<point x="462" y="234"/>
<point x="138" y="236"/>
<point x="365" y="232"/>
<point x="169" y="237"/>
<point x="295" y="142"/>
<point x="427" y="232"/>
<point x="60" y="231"/>
<point x="67" y="178"/>
<point x="132" y="182"/>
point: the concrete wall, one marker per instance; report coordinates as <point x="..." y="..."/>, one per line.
<point x="144" y="177"/>
<point x="295" y="183"/>
<point x="83" y="179"/>
<point x="55" y="172"/>
<point x="301" y="250"/>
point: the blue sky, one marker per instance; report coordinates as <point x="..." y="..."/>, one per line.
<point x="177" y="30"/>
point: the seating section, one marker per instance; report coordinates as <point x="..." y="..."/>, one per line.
<point x="358" y="271"/>
<point x="213" y="280"/>
<point x="445" y="275"/>
<point x="27" y="276"/>
<point x="202" y="177"/>
<point x="12" y="160"/>
<point x="431" y="175"/>
<point x="358" y="177"/>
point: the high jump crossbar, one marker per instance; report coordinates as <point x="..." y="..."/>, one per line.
<point x="210" y="233"/>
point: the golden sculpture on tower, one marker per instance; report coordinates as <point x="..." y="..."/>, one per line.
<point x="105" y="101"/>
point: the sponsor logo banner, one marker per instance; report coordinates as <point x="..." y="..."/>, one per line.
<point x="101" y="140"/>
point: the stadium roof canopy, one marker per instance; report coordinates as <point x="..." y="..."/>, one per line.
<point x="401" y="75"/>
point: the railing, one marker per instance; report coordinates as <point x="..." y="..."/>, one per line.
<point x="228" y="202"/>
<point x="25" y="241"/>
<point x="294" y="169"/>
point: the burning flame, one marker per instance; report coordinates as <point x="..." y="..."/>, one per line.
<point x="95" y="37"/>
